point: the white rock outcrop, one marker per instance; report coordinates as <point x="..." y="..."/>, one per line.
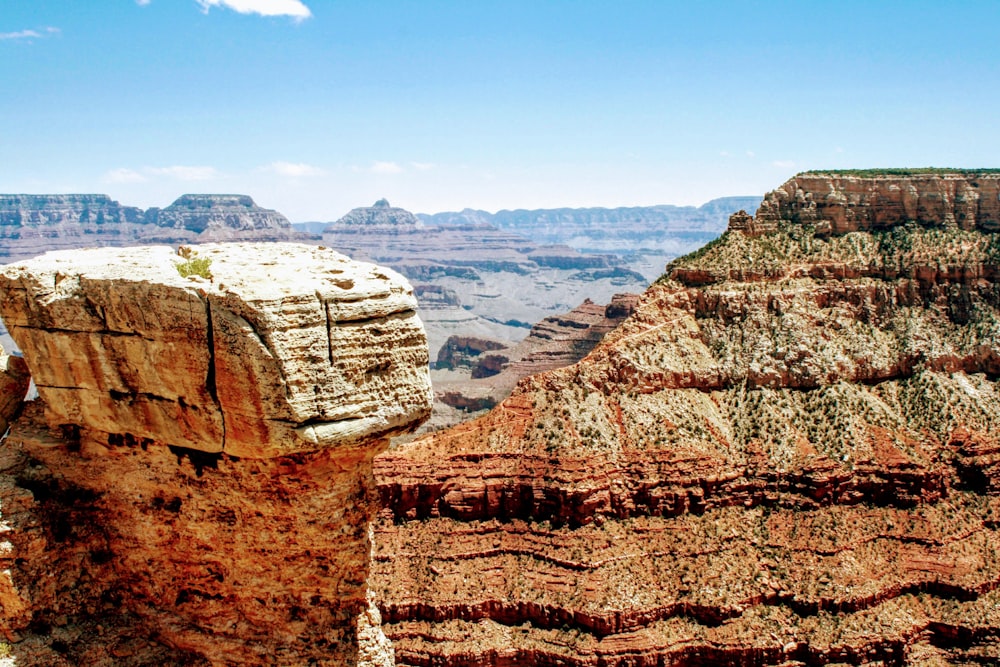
<point x="263" y="349"/>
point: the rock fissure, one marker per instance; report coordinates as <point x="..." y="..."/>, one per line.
<point x="210" y="378"/>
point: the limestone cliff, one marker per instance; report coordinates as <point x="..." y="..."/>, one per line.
<point x="786" y="455"/>
<point x="194" y="484"/>
<point x="33" y="224"/>
<point x="218" y="214"/>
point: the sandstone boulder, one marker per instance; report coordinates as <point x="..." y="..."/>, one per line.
<point x="305" y="350"/>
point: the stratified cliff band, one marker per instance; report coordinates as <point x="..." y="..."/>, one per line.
<point x="786" y="455"/>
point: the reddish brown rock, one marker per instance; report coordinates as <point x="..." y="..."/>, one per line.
<point x="194" y="484"/>
<point x="14" y="381"/>
<point x="786" y="455"/>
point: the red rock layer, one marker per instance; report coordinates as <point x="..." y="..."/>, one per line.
<point x="774" y="463"/>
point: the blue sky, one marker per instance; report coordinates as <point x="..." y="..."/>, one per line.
<point x="314" y="107"/>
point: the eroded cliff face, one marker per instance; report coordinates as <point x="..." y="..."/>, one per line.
<point x="842" y="202"/>
<point x="33" y="224"/>
<point x="786" y="455"/>
<point x="194" y="483"/>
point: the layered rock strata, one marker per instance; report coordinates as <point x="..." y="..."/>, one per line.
<point x="786" y="455"/>
<point x="554" y="342"/>
<point x="219" y="215"/>
<point x="475" y="280"/>
<point x="33" y="224"/>
<point x="200" y="456"/>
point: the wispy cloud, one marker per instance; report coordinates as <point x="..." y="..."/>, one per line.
<point x="384" y="168"/>
<point x="292" y="8"/>
<point x="143" y="3"/>
<point x="422" y="166"/>
<point x="123" y="176"/>
<point x="293" y="169"/>
<point x="184" y="173"/>
<point x="176" y="172"/>
<point x="30" y="34"/>
<point x="784" y="164"/>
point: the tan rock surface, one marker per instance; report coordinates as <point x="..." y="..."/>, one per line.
<point x="786" y="455"/>
<point x="308" y="350"/>
<point x="205" y="494"/>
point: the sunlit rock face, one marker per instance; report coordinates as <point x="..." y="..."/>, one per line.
<point x="787" y="454"/>
<point x="208" y="420"/>
<point x="262" y="350"/>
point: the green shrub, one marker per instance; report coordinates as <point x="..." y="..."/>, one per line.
<point x="196" y="266"/>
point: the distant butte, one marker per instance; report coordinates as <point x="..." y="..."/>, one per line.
<point x="33" y="224"/>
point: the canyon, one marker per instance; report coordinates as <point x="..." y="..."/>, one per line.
<point x="646" y="236"/>
<point x="474" y="279"/>
<point x="474" y="374"/>
<point x="786" y="455"/>
<point x="783" y="452"/>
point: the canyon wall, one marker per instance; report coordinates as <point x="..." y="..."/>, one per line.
<point x="841" y="202"/>
<point x="194" y="484"/>
<point x="475" y="280"/>
<point x="33" y="224"/>
<point x="786" y="455"/>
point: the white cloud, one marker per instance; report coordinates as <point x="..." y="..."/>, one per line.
<point x="385" y="168"/>
<point x="184" y="173"/>
<point x="293" y="169"/>
<point x="293" y="8"/>
<point x="20" y="34"/>
<point x="784" y="164"/>
<point x="143" y="3"/>
<point x="123" y="176"/>
<point x="422" y="166"/>
<point x="751" y="154"/>
<point x="30" y="34"/>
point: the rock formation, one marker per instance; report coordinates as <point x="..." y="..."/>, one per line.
<point x="475" y="280"/>
<point x="194" y="484"/>
<point x="840" y="202"/>
<point x="494" y="370"/>
<point x="33" y="224"/>
<point x="648" y="236"/>
<point x="219" y="214"/>
<point x="14" y="381"/>
<point x="380" y="214"/>
<point x="786" y="455"/>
